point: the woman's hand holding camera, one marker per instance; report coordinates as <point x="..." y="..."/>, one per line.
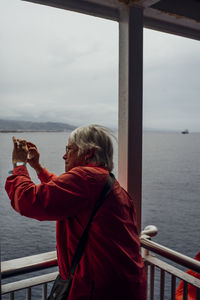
<point x="24" y="151"/>
<point x="20" y="150"/>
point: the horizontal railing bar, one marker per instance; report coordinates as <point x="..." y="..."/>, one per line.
<point x="175" y="256"/>
<point x="45" y="260"/>
<point x="152" y="260"/>
<point x="49" y="259"/>
<point x="27" y="283"/>
<point x="28" y="264"/>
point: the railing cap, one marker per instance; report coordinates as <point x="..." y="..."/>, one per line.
<point x="150" y="231"/>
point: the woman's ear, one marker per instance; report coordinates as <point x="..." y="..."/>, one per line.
<point x="89" y="154"/>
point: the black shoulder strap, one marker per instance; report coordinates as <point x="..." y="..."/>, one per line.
<point x="83" y="240"/>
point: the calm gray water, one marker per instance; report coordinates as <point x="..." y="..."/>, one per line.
<point x="171" y="193"/>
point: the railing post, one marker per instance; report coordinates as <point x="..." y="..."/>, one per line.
<point x="148" y="232"/>
<point x="130" y="103"/>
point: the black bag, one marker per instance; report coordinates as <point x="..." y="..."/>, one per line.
<point x="61" y="287"/>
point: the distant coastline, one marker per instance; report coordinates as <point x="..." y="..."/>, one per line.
<point x="19" y="131"/>
<point x="28" y="126"/>
<point x="17" y="126"/>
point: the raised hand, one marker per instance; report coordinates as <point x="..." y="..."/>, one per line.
<point x="20" y="150"/>
<point x="34" y="157"/>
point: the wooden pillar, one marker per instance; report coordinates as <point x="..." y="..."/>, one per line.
<point x="130" y="103"/>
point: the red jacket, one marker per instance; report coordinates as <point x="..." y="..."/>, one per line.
<point x="111" y="266"/>
<point x="191" y="294"/>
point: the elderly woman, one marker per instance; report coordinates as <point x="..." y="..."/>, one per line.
<point x="111" y="266"/>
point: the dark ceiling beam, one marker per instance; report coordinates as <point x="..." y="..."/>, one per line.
<point x="173" y="24"/>
<point x="80" y="6"/>
<point x="144" y="3"/>
<point x="180" y="8"/>
<point x="153" y="19"/>
<point x="171" y="28"/>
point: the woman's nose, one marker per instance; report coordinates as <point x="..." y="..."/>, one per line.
<point x="64" y="156"/>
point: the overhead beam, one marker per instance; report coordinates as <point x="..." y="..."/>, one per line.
<point x="157" y="20"/>
<point x="80" y="6"/>
<point x="141" y="3"/>
<point x="180" y="8"/>
<point x="109" y="9"/>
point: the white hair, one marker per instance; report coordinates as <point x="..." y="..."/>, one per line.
<point x="98" y="138"/>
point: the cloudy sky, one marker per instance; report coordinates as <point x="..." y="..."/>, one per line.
<point x="61" y="66"/>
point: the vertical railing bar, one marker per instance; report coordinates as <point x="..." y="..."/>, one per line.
<point x="152" y="275"/>
<point x="12" y="296"/>
<point x="173" y="287"/>
<point x="185" y="290"/>
<point x="146" y="268"/>
<point x="28" y="293"/>
<point x="146" y="265"/>
<point x="147" y="276"/>
<point x="162" y="284"/>
<point x="44" y="291"/>
<point x="197" y="293"/>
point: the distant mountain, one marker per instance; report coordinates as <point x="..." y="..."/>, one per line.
<point x="15" y="125"/>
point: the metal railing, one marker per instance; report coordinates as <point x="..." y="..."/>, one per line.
<point x="153" y="264"/>
<point x="26" y="265"/>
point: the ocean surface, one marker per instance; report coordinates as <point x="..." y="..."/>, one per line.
<point x="171" y="193"/>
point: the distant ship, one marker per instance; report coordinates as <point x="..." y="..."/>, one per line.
<point x="186" y="131"/>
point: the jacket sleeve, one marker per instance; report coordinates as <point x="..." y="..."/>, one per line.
<point x="60" y="198"/>
<point x="46" y="176"/>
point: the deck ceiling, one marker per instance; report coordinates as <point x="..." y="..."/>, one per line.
<point x="181" y="17"/>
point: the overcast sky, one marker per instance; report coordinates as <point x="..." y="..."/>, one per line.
<point x="61" y="66"/>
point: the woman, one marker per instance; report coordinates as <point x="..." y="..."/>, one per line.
<point x="111" y="266"/>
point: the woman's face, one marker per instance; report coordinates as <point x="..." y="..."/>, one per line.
<point x="71" y="157"/>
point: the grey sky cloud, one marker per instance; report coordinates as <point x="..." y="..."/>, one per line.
<point x="62" y="66"/>
<point x="171" y="82"/>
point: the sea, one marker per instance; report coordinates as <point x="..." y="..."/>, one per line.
<point x="170" y="194"/>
